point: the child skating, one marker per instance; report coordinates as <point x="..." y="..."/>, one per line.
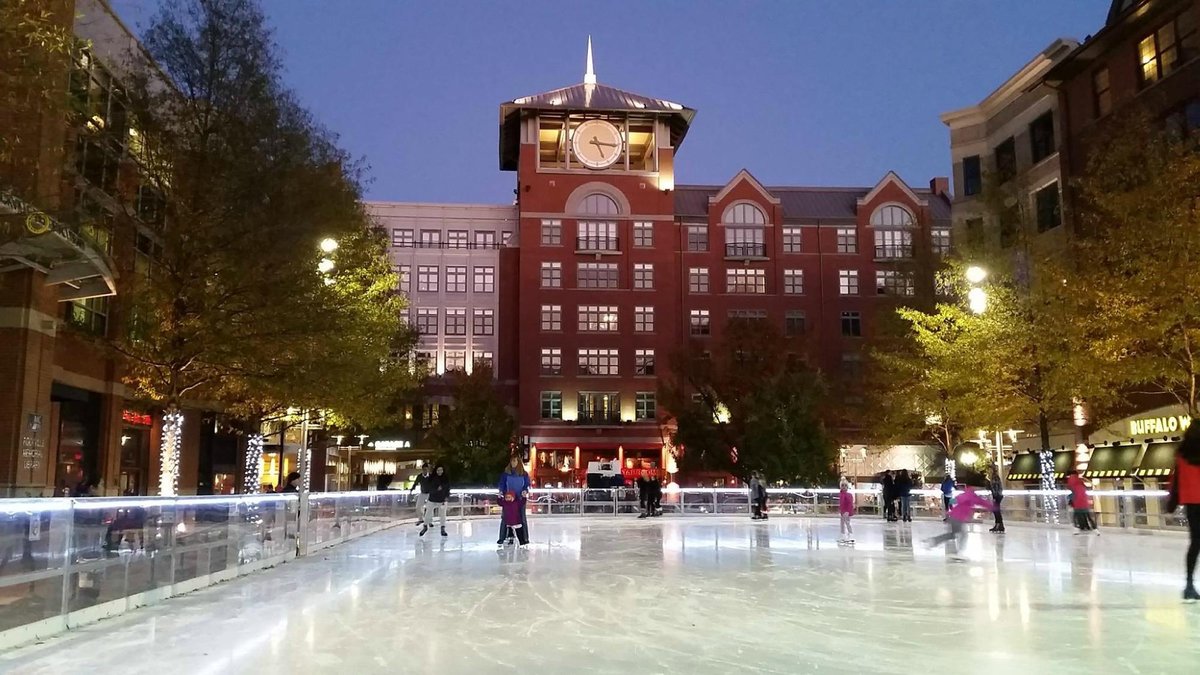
<point x="511" y="509"/>
<point x="959" y="515"/>
<point x="846" y="511"/>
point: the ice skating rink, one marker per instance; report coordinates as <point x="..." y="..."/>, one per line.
<point x="671" y="595"/>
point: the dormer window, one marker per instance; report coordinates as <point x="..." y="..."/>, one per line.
<point x="892" y="216"/>
<point x="744" y="225"/>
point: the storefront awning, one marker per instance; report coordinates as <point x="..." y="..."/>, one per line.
<point x="1064" y="461"/>
<point x="1158" y="460"/>
<point x="1025" y="466"/>
<point x="33" y="239"/>
<point x="1113" y="461"/>
<point x="610" y="447"/>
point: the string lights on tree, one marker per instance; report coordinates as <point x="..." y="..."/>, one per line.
<point x="1046" y="464"/>
<point x="252" y="480"/>
<point x="172" y="439"/>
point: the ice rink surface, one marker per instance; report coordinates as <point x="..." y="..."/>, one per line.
<point x="672" y="595"/>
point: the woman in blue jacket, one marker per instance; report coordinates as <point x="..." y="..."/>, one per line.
<point x="514" y="481"/>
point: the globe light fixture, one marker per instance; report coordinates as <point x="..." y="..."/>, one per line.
<point x="968" y="457"/>
<point x="325" y="266"/>
<point x="977" y="300"/>
<point x="976" y="274"/>
<point x="329" y="245"/>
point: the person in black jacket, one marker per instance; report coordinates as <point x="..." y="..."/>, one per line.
<point x="888" y="482"/>
<point x="904" y="486"/>
<point x="439" y="493"/>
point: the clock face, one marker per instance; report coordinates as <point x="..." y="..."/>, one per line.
<point x="597" y="144"/>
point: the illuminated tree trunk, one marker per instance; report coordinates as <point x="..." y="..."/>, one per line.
<point x="252" y="477"/>
<point x="172" y="440"/>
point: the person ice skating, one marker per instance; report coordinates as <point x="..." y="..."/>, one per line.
<point x="888" y="483"/>
<point x="421" y="484"/>
<point x="904" y="486"/>
<point x="439" y="492"/>
<point x="649" y="495"/>
<point x="997" y="488"/>
<point x="758" y="497"/>
<point x="846" y="512"/>
<point x="513" y="518"/>
<point x="947" y="495"/>
<point x="1080" y="502"/>
<point x="960" y="514"/>
<point x="514" y="480"/>
<point x="656" y="491"/>
<point x="1185" y="491"/>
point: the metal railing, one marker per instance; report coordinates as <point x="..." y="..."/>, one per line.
<point x="597" y="243"/>
<point x="893" y="251"/>
<point x="745" y="250"/>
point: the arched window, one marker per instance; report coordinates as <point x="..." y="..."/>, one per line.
<point x="891" y="216"/>
<point x="743" y="214"/>
<point x="597" y="204"/>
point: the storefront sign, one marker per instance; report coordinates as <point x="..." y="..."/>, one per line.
<point x="134" y="417"/>
<point x="391" y="445"/>
<point x="1156" y="426"/>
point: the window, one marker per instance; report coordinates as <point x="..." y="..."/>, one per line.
<point x="893" y="244"/>
<point x="700" y="322"/>
<point x="402" y="238"/>
<point x="551" y="317"/>
<point x="598" y="362"/>
<point x="848" y="282"/>
<point x="427" y="279"/>
<point x="1161" y="52"/>
<point x="940" y="240"/>
<point x="975" y="233"/>
<point x="972" y="175"/>
<point x="405" y="274"/>
<point x="643" y="319"/>
<point x="596" y="275"/>
<point x="743" y="280"/>
<point x="90" y="314"/>
<point x="643" y="276"/>
<point x="891" y="216"/>
<point x="456" y="279"/>
<point x="851" y="324"/>
<point x="427" y="320"/>
<point x="597" y="204"/>
<point x="645" y="407"/>
<point x="1101" y="93"/>
<point x="597" y="319"/>
<point x="847" y="240"/>
<point x="483" y="322"/>
<point x="793" y="323"/>
<point x="743" y="214"/>
<point x="1049" y="215"/>
<point x="698" y="280"/>
<point x="594" y="236"/>
<point x="748" y="314"/>
<point x="1041" y="137"/>
<point x="551" y="405"/>
<point x="793" y="282"/>
<point x="485" y="239"/>
<point x="697" y="238"/>
<point x="431" y="239"/>
<point x="643" y="235"/>
<point x="456" y="321"/>
<point x="893" y="282"/>
<point x="456" y="360"/>
<point x="599" y="407"/>
<point x="551" y="233"/>
<point x="851" y="364"/>
<point x="791" y="239"/>
<point x="1006" y="159"/>
<point x="1184" y="120"/>
<point x="485" y="359"/>
<point x="552" y="361"/>
<point x="485" y="279"/>
<point x="744" y="242"/>
<point x="551" y="275"/>
<point x="456" y="239"/>
<point x="643" y="362"/>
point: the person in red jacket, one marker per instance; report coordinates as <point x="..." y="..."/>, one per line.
<point x="1185" y="491"/>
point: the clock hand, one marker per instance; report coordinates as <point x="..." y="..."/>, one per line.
<point x="596" y="142"/>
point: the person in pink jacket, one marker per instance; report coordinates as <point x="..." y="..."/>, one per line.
<point x="960" y="513"/>
<point x="846" y="511"/>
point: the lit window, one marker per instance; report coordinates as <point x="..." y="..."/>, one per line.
<point x="893" y="244"/>
<point x="596" y="236"/>
<point x="551" y="317"/>
<point x="597" y="204"/>
<point x="597" y="319"/>
<point x="456" y="279"/>
<point x="893" y="282"/>
<point x="405" y="274"/>
<point x="1174" y="43"/>
<point x="791" y="239"/>
<point x="456" y="239"/>
<point x="598" y="362"/>
<point x="456" y="321"/>
<point x="456" y="360"/>
<point x="847" y="240"/>
<point x="403" y="238"/>
<point x="431" y="239"/>
<point x="891" y="216"/>
<point x="643" y="362"/>
<point x="427" y="320"/>
<point x="700" y="323"/>
<point x="551" y="233"/>
<point x="485" y="239"/>
<point x="485" y="279"/>
<point x="643" y="235"/>
<point x="645" y="407"/>
<point x="551" y="405"/>
<point x="697" y="238"/>
<point x="551" y="275"/>
<point x="643" y="276"/>
<point x="743" y="214"/>
<point x="484" y="359"/>
<point x="698" y="280"/>
<point x="848" y="282"/>
<point x="940" y="239"/>
<point x="427" y="279"/>
<point x="744" y="242"/>
<point x="596" y="275"/>
<point x="551" y="361"/>
<point x="743" y="280"/>
<point x="793" y="282"/>
<point x="643" y="319"/>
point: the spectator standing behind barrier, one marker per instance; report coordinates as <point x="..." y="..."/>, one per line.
<point x="947" y="496"/>
<point x="514" y="480"/>
<point x="846" y="512"/>
<point x="439" y="492"/>
<point x="421" y="484"/>
<point x="292" y="484"/>
<point x="904" y="486"/>
<point x="997" y="487"/>
<point x="889" y="495"/>
<point x="1185" y="491"/>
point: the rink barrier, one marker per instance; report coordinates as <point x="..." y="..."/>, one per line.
<point x="67" y="562"/>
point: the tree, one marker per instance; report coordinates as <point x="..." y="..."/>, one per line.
<point x="473" y="439"/>
<point x="1137" y="259"/>
<point x="752" y="404"/>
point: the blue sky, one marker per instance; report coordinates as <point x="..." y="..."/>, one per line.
<point x="798" y="92"/>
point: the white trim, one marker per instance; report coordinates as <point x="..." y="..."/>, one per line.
<point x="892" y="178"/>
<point x="743" y="175"/>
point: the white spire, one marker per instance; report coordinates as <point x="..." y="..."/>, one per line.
<point x="590" y="76"/>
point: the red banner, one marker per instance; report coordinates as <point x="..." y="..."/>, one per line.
<point x="134" y="417"/>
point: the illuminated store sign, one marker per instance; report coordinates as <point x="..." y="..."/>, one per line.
<point x="133" y="417"/>
<point x="391" y="445"/>
<point x="1155" y="426"/>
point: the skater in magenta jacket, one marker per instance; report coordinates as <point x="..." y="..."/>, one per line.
<point x="846" y="511"/>
<point x="960" y="513"/>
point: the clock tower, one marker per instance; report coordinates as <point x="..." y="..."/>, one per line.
<point x="598" y="272"/>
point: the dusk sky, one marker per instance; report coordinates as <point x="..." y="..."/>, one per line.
<point x="798" y="92"/>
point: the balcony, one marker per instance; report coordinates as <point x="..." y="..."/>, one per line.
<point x="598" y="418"/>
<point x="894" y="252"/>
<point x="598" y="244"/>
<point x="745" y="251"/>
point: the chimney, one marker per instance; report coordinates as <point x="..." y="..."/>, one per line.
<point x="940" y="186"/>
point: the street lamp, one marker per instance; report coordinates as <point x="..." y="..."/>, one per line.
<point x="977" y="298"/>
<point x="976" y="274"/>
<point x="325" y="266"/>
<point x="329" y="245"/>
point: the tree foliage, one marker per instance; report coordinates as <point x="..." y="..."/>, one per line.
<point x="473" y="438"/>
<point x="754" y="403"/>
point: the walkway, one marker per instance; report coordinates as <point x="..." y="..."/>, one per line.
<point x="688" y="595"/>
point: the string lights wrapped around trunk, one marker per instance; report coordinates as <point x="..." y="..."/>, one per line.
<point x="252" y="479"/>
<point x="172" y="440"/>
<point x="1050" y="503"/>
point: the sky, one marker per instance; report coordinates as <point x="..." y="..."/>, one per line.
<point x="798" y="92"/>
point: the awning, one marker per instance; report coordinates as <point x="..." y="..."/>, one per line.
<point x="611" y="446"/>
<point x="1063" y="462"/>
<point x="1113" y="461"/>
<point x="31" y="238"/>
<point x="1158" y="460"/>
<point x="1025" y="466"/>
